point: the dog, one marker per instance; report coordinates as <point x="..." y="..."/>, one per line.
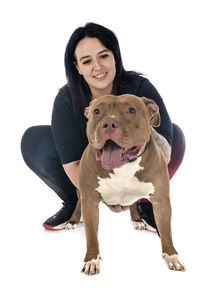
<point x="122" y="164"/>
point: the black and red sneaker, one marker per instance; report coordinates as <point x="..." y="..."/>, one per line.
<point x="145" y="210"/>
<point x="59" y="220"/>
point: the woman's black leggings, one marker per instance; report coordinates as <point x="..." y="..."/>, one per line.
<point x="40" y="155"/>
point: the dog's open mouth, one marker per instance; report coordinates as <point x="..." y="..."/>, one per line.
<point x="113" y="156"/>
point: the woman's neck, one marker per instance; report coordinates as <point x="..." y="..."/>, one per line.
<point x="101" y="92"/>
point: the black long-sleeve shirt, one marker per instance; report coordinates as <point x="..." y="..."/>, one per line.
<point x="69" y="130"/>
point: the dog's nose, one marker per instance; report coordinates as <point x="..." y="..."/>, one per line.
<point x="109" y="123"/>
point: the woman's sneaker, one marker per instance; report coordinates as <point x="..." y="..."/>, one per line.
<point x="145" y="211"/>
<point x="59" y="220"/>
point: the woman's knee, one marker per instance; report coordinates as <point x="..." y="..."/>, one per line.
<point x="178" y="144"/>
<point x="178" y="150"/>
<point x="34" y="143"/>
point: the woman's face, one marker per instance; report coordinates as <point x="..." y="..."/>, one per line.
<point x="96" y="64"/>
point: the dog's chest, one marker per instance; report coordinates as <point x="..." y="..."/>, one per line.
<point x="123" y="187"/>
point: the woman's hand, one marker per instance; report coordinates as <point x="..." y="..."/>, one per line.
<point x="117" y="208"/>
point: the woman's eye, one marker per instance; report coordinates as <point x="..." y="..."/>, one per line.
<point x="96" y="111"/>
<point x="131" y="110"/>
<point x="104" y="56"/>
<point x="86" y="61"/>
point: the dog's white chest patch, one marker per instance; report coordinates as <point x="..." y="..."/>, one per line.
<point x="123" y="187"/>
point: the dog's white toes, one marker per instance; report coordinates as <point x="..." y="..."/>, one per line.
<point x="92" y="267"/>
<point x="139" y="225"/>
<point x="173" y="262"/>
<point x="70" y="226"/>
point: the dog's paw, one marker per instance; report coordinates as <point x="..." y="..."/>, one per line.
<point x="92" y="267"/>
<point x="70" y="225"/>
<point x="139" y="225"/>
<point x="173" y="262"/>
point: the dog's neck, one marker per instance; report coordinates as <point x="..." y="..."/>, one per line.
<point x="132" y="160"/>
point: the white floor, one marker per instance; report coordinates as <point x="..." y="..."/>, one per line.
<point x="33" y="257"/>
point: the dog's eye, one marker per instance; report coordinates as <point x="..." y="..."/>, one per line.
<point x="96" y="111"/>
<point x="131" y="110"/>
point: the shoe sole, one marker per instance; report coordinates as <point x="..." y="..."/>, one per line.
<point x="58" y="227"/>
<point x="149" y="228"/>
<point x="47" y="227"/>
<point x="63" y="227"/>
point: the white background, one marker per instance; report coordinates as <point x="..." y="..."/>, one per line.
<point x="158" y="38"/>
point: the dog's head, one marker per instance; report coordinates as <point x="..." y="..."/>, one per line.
<point x="119" y="127"/>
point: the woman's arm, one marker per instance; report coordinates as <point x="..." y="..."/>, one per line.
<point x="66" y="130"/>
<point x="72" y="171"/>
<point x="165" y="129"/>
<point x="163" y="145"/>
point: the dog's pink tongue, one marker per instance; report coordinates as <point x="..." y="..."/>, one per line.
<point x="111" y="157"/>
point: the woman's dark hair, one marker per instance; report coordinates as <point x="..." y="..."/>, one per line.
<point x="79" y="89"/>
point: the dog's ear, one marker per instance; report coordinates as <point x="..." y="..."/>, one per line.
<point x="153" y="111"/>
<point x="87" y="109"/>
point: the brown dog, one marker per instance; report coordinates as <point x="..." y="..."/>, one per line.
<point x="121" y="165"/>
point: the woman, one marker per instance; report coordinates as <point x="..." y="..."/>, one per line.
<point x="93" y="68"/>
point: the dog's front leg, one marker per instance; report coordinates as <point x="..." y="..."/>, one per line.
<point x="162" y="214"/>
<point x="90" y="212"/>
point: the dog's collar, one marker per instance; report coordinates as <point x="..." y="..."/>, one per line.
<point x="132" y="160"/>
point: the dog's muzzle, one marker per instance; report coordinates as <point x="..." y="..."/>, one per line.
<point x="113" y="156"/>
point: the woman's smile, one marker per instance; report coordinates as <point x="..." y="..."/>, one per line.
<point x="101" y="76"/>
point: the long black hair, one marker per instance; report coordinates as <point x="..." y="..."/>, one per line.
<point x="79" y="89"/>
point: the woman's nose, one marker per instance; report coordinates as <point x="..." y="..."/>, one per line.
<point x="97" y="65"/>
